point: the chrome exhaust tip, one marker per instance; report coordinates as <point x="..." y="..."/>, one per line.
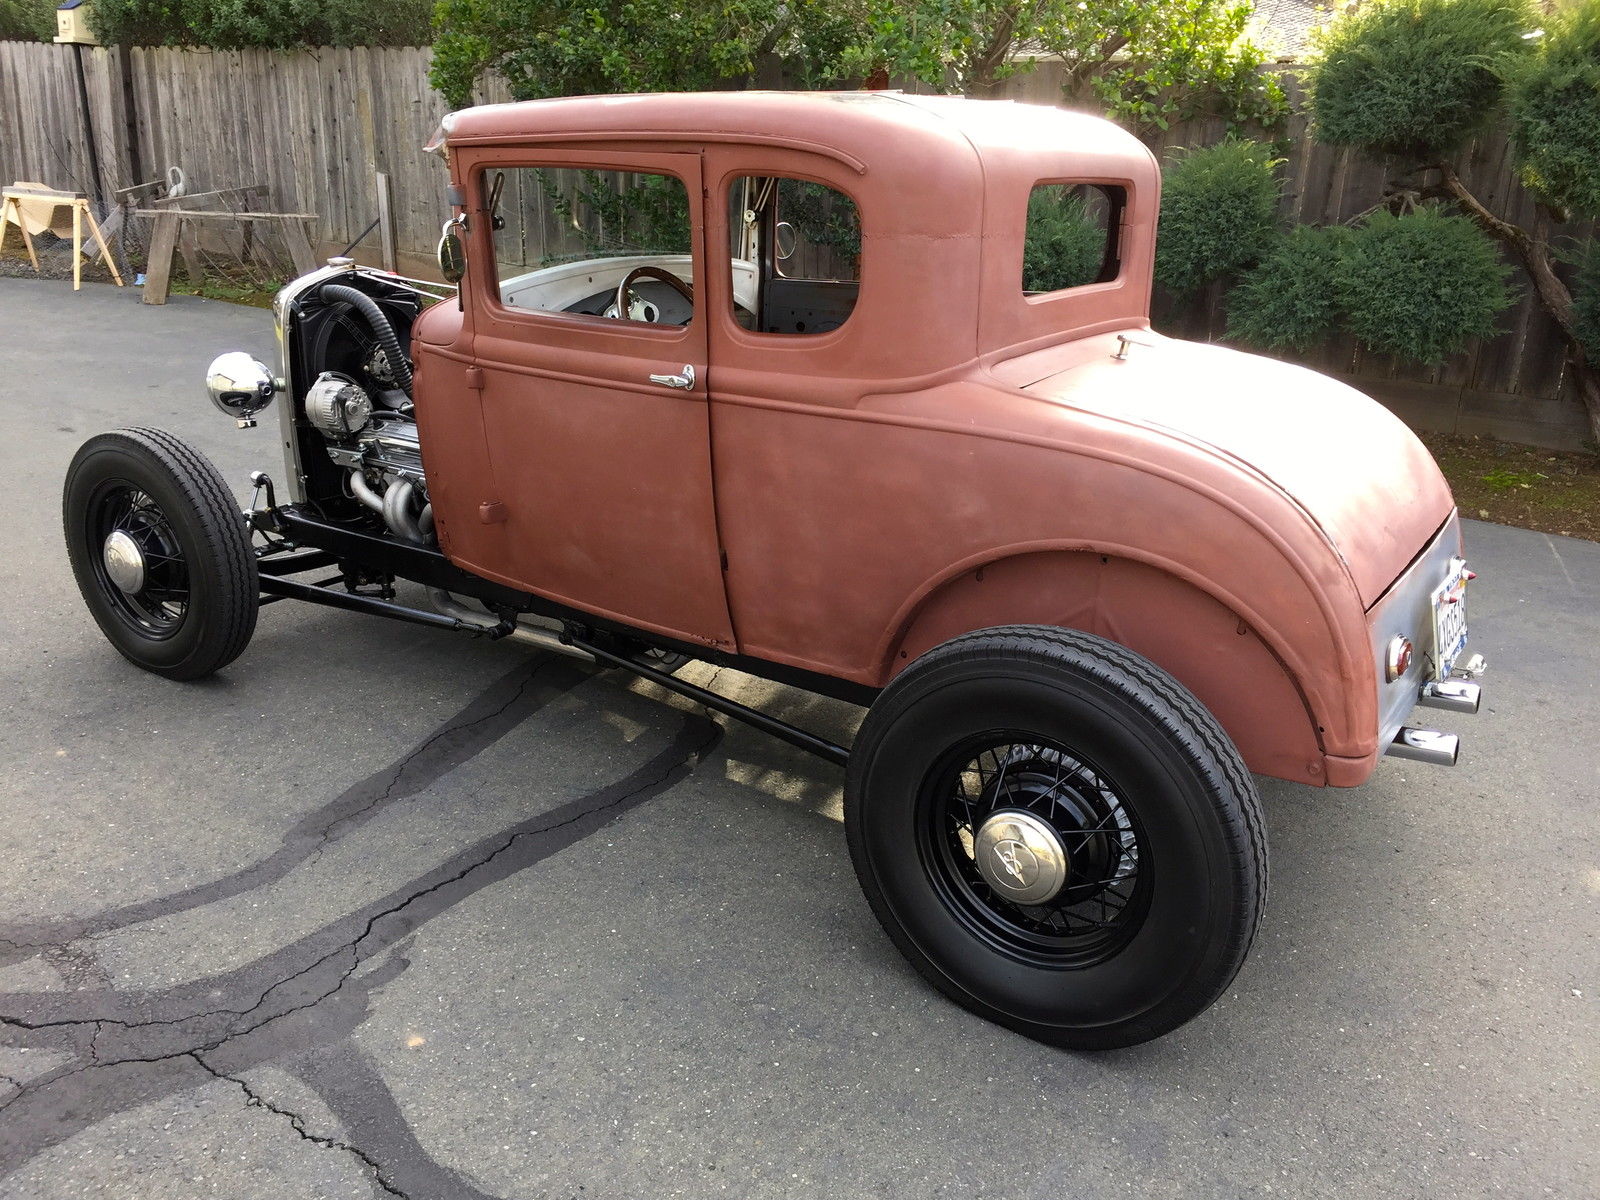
<point x="1454" y="695"/>
<point x="1425" y="745"/>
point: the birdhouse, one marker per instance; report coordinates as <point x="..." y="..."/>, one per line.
<point x="72" y="23"/>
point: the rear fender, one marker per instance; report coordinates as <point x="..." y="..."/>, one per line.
<point x="1190" y="634"/>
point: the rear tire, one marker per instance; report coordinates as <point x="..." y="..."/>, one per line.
<point x="161" y="552"/>
<point x="1011" y="761"/>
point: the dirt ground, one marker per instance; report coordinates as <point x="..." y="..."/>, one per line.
<point x="1547" y="490"/>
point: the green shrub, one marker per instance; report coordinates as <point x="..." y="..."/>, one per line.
<point x="1218" y="212"/>
<point x="1586" y="299"/>
<point x="27" y="20"/>
<point x="586" y="47"/>
<point x="1421" y="286"/>
<point x="1064" y="246"/>
<point x="1290" y="300"/>
<point x="1413" y="77"/>
<point x="1555" y="109"/>
<point x="274" y="24"/>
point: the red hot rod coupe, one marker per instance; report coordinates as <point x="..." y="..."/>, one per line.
<point x="857" y="392"/>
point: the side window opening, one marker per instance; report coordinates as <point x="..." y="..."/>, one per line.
<point x="795" y="247"/>
<point x="569" y="239"/>
<point x="1071" y="238"/>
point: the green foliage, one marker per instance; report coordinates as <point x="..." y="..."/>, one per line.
<point x="1413" y="77"/>
<point x="1586" y="299"/>
<point x="824" y="218"/>
<point x="588" y="47"/>
<point x="1289" y="301"/>
<point x="1146" y="63"/>
<point x="1063" y="246"/>
<point x="1555" y="108"/>
<point x="1183" y="59"/>
<point x="1218" y="212"/>
<point x="1421" y="286"/>
<point x="27" y="20"/>
<point x="647" y="215"/>
<point x="273" y="24"/>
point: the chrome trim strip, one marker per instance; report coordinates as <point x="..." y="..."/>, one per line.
<point x="288" y="400"/>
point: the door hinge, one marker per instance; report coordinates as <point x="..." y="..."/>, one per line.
<point x="475" y="378"/>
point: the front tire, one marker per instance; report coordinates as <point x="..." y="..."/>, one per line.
<point x="1057" y="835"/>
<point x="160" y="552"/>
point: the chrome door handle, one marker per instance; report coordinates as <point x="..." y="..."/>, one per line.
<point x="684" y="382"/>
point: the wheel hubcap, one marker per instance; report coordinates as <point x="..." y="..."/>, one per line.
<point x="124" y="562"/>
<point x="140" y="569"/>
<point x="1033" y="849"/>
<point x="1020" y="856"/>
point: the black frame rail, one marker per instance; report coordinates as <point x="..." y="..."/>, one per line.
<point x="276" y="587"/>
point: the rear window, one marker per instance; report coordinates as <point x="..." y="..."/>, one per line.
<point x="1071" y="237"/>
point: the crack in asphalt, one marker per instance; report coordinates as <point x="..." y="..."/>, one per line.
<point x="503" y="706"/>
<point x="142" y="1065"/>
<point x="352" y="947"/>
<point x="256" y="1100"/>
<point x="445" y="731"/>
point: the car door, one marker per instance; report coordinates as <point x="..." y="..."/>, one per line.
<point x="596" y="420"/>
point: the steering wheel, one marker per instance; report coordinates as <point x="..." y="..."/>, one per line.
<point x="624" y="307"/>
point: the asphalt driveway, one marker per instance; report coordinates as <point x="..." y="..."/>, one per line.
<point x="380" y="910"/>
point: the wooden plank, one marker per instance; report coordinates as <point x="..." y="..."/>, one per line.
<point x="214" y="214"/>
<point x="296" y="236"/>
<point x="158" y="272"/>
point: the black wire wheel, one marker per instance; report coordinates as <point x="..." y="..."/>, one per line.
<point x="1057" y="835"/>
<point x="160" y="552"/>
<point x="1035" y="850"/>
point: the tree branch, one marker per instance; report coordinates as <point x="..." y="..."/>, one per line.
<point x="1554" y="295"/>
<point x="1535" y="255"/>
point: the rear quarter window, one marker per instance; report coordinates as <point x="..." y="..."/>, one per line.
<point x="1071" y="238"/>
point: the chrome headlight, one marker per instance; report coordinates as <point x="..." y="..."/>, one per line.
<point x="240" y="386"/>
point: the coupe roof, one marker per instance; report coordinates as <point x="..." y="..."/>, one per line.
<point x="853" y="126"/>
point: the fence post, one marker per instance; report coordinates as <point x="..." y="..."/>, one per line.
<point x="386" y="221"/>
<point x="97" y="187"/>
<point x="130" y="115"/>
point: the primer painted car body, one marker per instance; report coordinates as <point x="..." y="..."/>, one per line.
<point x="956" y="456"/>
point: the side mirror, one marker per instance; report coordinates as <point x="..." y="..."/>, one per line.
<point x="452" y="255"/>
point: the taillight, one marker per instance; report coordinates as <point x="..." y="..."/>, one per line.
<point x="1397" y="660"/>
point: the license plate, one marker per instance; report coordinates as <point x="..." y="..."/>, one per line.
<point x="1450" y="618"/>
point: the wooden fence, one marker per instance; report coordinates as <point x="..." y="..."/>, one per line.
<point x="315" y="127"/>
